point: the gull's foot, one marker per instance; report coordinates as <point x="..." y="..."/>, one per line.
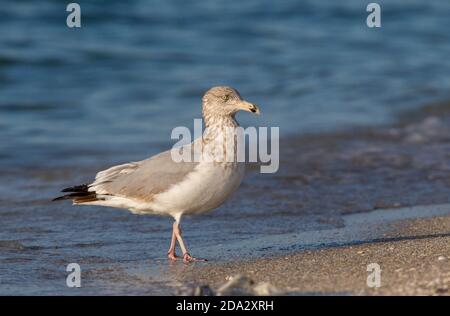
<point x="188" y="258"/>
<point x="172" y="256"/>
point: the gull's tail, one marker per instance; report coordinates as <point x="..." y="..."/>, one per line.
<point x="78" y="194"/>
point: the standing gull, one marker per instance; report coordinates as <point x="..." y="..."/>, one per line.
<point x="165" y="186"/>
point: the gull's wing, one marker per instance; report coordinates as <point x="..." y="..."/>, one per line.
<point x="142" y="180"/>
<point x="135" y="180"/>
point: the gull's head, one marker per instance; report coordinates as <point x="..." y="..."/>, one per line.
<point x="226" y="101"/>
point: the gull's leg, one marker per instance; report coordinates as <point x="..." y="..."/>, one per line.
<point x="186" y="256"/>
<point x="171" y="253"/>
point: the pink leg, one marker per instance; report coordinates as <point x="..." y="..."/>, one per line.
<point x="171" y="253"/>
<point x="186" y="256"/>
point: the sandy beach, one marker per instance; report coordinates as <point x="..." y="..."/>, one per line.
<point x="414" y="258"/>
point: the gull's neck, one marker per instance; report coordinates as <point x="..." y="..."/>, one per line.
<point x="219" y="142"/>
<point x="217" y="127"/>
<point x="213" y="120"/>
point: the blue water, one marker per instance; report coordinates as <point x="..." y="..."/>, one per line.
<point x="74" y="101"/>
<point x="136" y="69"/>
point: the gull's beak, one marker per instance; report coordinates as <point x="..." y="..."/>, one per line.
<point x="249" y="107"/>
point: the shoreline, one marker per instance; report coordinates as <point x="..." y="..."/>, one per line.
<point x="414" y="257"/>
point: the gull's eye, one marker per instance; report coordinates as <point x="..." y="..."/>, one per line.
<point x="225" y="97"/>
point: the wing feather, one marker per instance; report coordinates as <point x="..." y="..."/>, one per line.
<point x="142" y="180"/>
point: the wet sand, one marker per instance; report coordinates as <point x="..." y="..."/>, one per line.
<point x="414" y="258"/>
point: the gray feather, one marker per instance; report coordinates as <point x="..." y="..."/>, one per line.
<point x="143" y="179"/>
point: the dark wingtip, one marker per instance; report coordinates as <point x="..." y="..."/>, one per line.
<point x="59" y="198"/>
<point x="78" y="196"/>
<point x="77" y="188"/>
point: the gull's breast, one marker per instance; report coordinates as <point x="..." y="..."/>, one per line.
<point x="204" y="189"/>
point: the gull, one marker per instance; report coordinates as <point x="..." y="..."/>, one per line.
<point x="162" y="185"/>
